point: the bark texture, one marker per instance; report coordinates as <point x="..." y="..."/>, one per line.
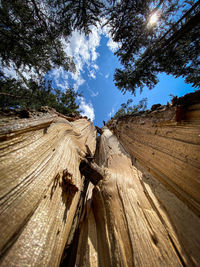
<point x="122" y="228"/>
<point x="135" y="201"/>
<point x="40" y="186"/>
<point x="165" y="145"/>
<point x="145" y="212"/>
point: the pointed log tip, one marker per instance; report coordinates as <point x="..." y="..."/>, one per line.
<point x="91" y="171"/>
<point x="99" y="130"/>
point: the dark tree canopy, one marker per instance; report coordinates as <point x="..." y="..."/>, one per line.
<point x="35" y="94"/>
<point x="32" y="34"/>
<point x="31" y="30"/>
<point x="171" y="46"/>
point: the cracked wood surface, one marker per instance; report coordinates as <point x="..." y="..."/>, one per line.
<point x="143" y="208"/>
<point x="167" y="152"/>
<point x="122" y="226"/>
<point x="40" y="186"/>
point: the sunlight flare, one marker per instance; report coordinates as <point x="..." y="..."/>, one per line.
<point x="153" y="19"/>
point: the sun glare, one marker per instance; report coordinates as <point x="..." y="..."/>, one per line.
<point x="153" y="19"/>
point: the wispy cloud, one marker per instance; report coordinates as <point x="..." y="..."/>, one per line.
<point x="79" y="82"/>
<point x="113" y="46"/>
<point x="9" y="71"/>
<point x="95" y="66"/>
<point x="107" y="75"/>
<point x="110" y="114"/>
<point x="87" y="109"/>
<point x="92" y="74"/>
<point x="13" y="71"/>
<point x="93" y="94"/>
<point x="83" y="51"/>
<point x="60" y="77"/>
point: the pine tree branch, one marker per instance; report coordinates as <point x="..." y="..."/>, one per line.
<point x="15" y="96"/>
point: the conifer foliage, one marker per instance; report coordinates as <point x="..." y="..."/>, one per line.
<point x="35" y="94"/>
<point x="31" y="30"/>
<point x="128" y="109"/>
<point x="172" y="45"/>
<point x="31" y="34"/>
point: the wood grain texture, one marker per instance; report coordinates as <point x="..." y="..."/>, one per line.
<point x="142" y="204"/>
<point x="167" y="152"/>
<point x="146" y="210"/>
<point x="122" y="227"/>
<point x="40" y="186"/>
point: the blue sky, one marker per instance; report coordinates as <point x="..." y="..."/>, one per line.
<point x="94" y="56"/>
<point x="95" y="64"/>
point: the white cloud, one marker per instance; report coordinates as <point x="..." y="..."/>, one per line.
<point x="60" y="77"/>
<point x="110" y="114"/>
<point x="113" y="46"/>
<point x="92" y="74"/>
<point x="83" y="51"/>
<point x="93" y="94"/>
<point x="107" y="75"/>
<point x="13" y="72"/>
<point x="94" y="41"/>
<point x="86" y="109"/>
<point x="78" y="83"/>
<point x="10" y="73"/>
<point x="20" y="73"/>
<point x="95" y="66"/>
